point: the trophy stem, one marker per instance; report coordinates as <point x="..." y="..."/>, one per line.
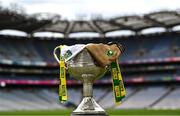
<point x="88" y="106"/>
<point x="87" y="89"/>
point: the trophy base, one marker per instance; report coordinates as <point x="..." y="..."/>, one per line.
<point x="89" y="115"/>
<point x="89" y="107"/>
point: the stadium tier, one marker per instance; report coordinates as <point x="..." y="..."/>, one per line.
<point x="29" y="74"/>
<point x="28" y="99"/>
<point x="33" y="99"/>
<point x="28" y="51"/>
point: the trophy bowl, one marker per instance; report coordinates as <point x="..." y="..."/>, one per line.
<point x="83" y="67"/>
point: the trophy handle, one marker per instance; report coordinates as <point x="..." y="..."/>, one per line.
<point x="55" y="49"/>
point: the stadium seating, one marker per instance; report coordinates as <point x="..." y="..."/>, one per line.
<point x="75" y="96"/>
<point x="28" y="100"/>
<point x="144" y="98"/>
<point x="44" y="98"/>
<point x="152" y="48"/>
<point x="32" y="51"/>
<point x="108" y="101"/>
<point x="171" y="101"/>
<point x="41" y="50"/>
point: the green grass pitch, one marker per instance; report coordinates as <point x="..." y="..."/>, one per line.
<point x="111" y="112"/>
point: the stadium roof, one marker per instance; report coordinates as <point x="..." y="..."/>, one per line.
<point x="136" y="23"/>
<point x="21" y="22"/>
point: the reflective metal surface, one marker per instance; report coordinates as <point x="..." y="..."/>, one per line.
<point x="83" y="67"/>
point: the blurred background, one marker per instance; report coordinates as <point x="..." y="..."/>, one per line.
<point x="31" y="29"/>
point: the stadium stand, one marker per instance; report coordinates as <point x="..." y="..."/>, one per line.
<point x="75" y="96"/>
<point x="31" y="99"/>
<point x="28" y="99"/>
<point x="35" y="50"/>
<point x="41" y="51"/>
<point x="144" y="97"/>
<point x="171" y="101"/>
<point x="150" y="63"/>
<point x="107" y="101"/>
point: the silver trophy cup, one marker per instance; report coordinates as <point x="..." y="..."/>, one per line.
<point x="83" y="67"/>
